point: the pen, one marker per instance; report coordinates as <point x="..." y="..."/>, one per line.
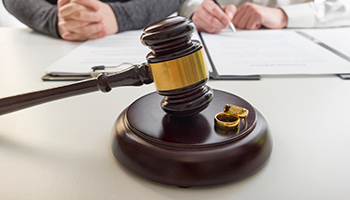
<point x="231" y="25"/>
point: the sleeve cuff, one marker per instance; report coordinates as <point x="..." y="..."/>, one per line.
<point x="300" y="15"/>
<point x="54" y="26"/>
<point x="188" y="6"/>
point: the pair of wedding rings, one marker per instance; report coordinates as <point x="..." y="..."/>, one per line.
<point x="230" y="118"/>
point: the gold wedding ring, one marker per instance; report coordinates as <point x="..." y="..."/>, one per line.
<point x="241" y="112"/>
<point x="227" y="121"/>
<point x="230" y="118"/>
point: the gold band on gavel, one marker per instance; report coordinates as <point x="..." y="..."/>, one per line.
<point x="180" y="72"/>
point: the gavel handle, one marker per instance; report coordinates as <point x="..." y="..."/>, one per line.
<point x="135" y="75"/>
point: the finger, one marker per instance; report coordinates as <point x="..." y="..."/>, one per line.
<point x="207" y="25"/>
<point x="207" y="21"/>
<point x="72" y="24"/>
<point x="230" y="11"/>
<point x="254" y="22"/>
<point x="203" y="26"/>
<point x="78" y="12"/>
<point x="90" y="29"/>
<point x="242" y="23"/>
<point x="216" y="12"/>
<point x="92" y="4"/>
<point x="236" y="18"/>
<point x="61" y="3"/>
<point x="78" y="37"/>
<point x="238" y="15"/>
<point x="73" y="36"/>
<point x="71" y="8"/>
<point x="85" y="16"/>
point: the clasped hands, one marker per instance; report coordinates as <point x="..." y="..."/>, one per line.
<point x="85" y="19"/>
<point x="209" y="17"/>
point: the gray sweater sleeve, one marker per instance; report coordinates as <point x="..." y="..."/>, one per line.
<point x="37" y="14"/>
<point x="41" y="15"/>
<point x="137" y="14"/>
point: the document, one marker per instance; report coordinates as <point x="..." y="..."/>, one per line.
<point x="244" y="54"/>
<point x="108" y="51"/>
<point x="270" y="52"/>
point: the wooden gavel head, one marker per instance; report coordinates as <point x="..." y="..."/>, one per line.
<point x="177" y="66"/>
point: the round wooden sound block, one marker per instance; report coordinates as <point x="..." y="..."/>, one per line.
<point x="189" y="151"/>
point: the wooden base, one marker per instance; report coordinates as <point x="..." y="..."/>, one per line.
<point x="189" y="151"/>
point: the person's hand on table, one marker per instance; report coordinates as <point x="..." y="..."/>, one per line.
<point x="209" y="17"/>
<point x="85" y="19"/>
<point x="252" y="16"/>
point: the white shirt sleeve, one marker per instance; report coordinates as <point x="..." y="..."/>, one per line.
<point x="188" y="6"/>
<point x="330" y="13"/>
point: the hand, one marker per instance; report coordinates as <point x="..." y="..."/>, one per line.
<point x="85" y="19"/>
<point x="79" y="20"/>
<point x="253" y="16"/>
<point x="209" y="17"/>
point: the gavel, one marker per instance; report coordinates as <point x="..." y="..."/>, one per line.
<point x="179" y="146"/>
<point x="175" y="65"/>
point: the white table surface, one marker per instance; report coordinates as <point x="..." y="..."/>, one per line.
<point x="62" y="149"/>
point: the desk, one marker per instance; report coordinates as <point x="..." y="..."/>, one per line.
<point x="62" y="150"/>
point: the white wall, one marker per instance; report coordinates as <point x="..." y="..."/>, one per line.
<point x="7" y="20"/>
